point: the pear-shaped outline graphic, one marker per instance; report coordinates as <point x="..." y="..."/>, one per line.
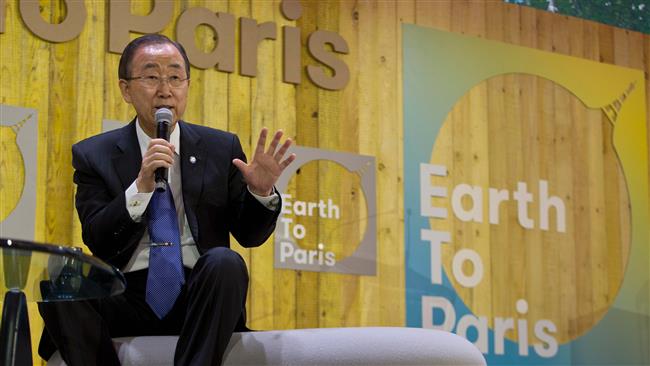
<point x="18" y="160"/>
<point x="611" y="112"/>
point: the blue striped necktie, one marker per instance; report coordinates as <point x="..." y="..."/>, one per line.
<point x="166" y="276"/>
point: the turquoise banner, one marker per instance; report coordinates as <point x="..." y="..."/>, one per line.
<point x="526" y="201"/>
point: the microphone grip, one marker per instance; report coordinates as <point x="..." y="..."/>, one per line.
<point x="161" y="174"/>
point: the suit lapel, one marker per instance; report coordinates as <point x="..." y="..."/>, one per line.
<point x="127" y="157"/>
<point x="192" y="168"/>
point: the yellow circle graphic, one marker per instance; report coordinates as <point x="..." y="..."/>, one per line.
<point x="327" y="200"/>
<point x="563" y="245"/>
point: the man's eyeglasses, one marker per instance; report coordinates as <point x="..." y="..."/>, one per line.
<point x="153" y="81"/>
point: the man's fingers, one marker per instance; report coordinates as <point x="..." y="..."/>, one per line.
<point x="159" y="164"/>
<point x="159" y="154"/>
<point x="239" y="164"/>
<point x="156" y="157"/>
<point x="283" y="149"/>
<point x="158" y="160"/>
<point x="167" y="150"/>
<point x="161" y="148"/>
<point x="162" y="155"/>
<point x="288" y="161"/>
<point x="160" y="142"/>
<point x="274" y="143"/>
<point x="259" y="149"/>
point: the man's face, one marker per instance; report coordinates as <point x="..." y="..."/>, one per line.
<point x="163" y="61"/>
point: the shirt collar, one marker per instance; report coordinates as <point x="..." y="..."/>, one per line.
<point x="143" y="138"/>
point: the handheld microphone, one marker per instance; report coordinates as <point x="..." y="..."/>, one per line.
<point x="163" y="120"/>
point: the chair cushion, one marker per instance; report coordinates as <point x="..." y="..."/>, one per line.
<point x="323" y="346"/>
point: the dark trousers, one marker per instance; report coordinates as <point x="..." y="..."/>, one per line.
<point x="209" y="309"/>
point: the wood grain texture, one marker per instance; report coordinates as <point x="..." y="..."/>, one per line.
<point x="261" y="303"/>
<point x="406" y="13"/>
<point x="73" y="85"/>
<point x="284" y="117"/>
<point x="239" y="117"/>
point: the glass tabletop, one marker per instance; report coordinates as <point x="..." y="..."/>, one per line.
<point x="55" y="273"/>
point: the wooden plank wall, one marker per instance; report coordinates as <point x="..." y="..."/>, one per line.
<point x="73" y="85"/>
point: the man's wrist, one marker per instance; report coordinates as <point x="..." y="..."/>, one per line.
<point x="261" y="194"/>
<point x="270" y="201"/>
<point x="136" y="201"/>
<point x="144" y="187"/>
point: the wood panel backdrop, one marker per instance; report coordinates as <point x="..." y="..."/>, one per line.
<point x="73" y="86"/>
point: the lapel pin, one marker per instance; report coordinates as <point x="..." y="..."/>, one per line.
<point x="192" y="160"/>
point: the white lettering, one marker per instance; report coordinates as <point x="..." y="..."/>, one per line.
<point x="332" y="210"/>
<point x="427" y="191"/>
<point x="286" y="251"/>
<point x="325" y="210"/>
<point x="457" y="267"/>
<point x="501" y="326"/>
<point x="330" y="259"/>
<point x="495" y="198"/>
<point x="300" y="208"/>
<point x="523" y="197"/>
<point x="545" y="203"/>
<point x="286" y="204"/>
<point x="435" y="239"/>
<point x="549" y="349"/>
<point x="299" y="231"/>
<point x="300" y="256"/>
<point x="303" y="256"/>
<point x="475" y="213"/>
<point x="481" y="326"/>
<point x="431" y="302"/>
<point x="472" y="196"/>
<point x="285" y="226"/>
<point x="312" y="206"/>
<point x="522" y="336"/>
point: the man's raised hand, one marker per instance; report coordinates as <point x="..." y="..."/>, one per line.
<point x="265" y="166"/>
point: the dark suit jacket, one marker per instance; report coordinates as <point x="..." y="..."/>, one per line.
<point x="215" y="196"/>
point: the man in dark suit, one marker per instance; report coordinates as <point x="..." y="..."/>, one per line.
<point x="215" y="193"/>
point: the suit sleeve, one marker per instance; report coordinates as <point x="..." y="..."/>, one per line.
<point x="250" y="222"/>
<point x="107" y="228"/>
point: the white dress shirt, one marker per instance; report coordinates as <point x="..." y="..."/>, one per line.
<point x="136" y="204"/>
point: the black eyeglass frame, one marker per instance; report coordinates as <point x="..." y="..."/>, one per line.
<point x="151" y="79"/>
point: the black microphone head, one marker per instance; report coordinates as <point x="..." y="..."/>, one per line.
<point x="163" y="122"/>
<point x="164" y="115"/>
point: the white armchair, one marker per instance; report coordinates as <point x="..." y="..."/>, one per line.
<point x="323" y="346"/>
